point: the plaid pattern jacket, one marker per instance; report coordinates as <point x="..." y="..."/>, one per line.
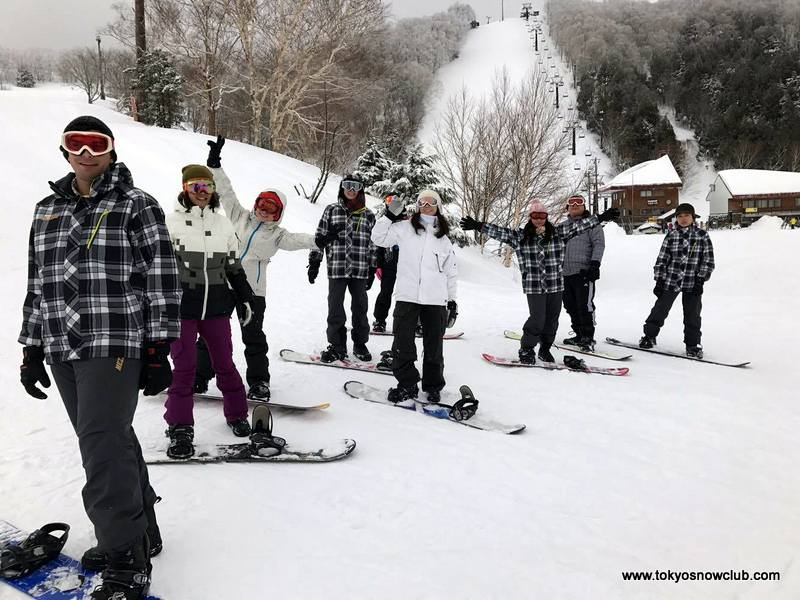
<point x="686" y="256"/>
<point x="541" y="262"/>
<point x="352" y="254"/>
<point x="107" y="259"/>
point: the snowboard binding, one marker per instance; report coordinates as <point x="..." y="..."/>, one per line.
<point x="39" y="548"/>
<point x="573" y="362"/>
<point x="466" y="407"/>
<point x="262" y="442"/>
<point x="386" y="361"/>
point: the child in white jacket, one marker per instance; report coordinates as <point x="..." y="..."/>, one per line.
<point x="425" y="290"/>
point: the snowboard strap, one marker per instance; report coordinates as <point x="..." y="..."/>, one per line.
<point x="262" y="442"/>
<point x="40" y="547"/>
<point x="463" y="409"/>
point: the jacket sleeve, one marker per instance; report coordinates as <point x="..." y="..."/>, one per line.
<point x="504" y="235"/>
<point x="598" y="239"/>
<point x="31" y="333"/>
<point x="663" y="261"/>
<point x="568" y="229"/>
<point x="154" y="262"/>
<point x="387" y="234"/>
<point x="227" y="197"/>
<point x="706" y="266"/>
<point x="295" y="241"/>
<point x="234" y="270"/>
<point x="323" y="227"/>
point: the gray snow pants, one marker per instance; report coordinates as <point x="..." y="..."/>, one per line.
<point x="542" y="324"/>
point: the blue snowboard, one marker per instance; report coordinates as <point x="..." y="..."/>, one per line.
<point x="60" y="579"/>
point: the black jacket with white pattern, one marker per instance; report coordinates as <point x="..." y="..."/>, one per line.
<point x="686" y="257"/>
<point x="355" y="262"/>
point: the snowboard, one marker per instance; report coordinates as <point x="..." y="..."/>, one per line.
<point x="507" y="362"/>
<point x="314" y="359"/>
<point x="362" y="391"/>
<point x="225" y="453"/>
<point x="61" y="579"/>
<point x="616" y="342"/>
<point x="446" y="336"/>
<point x="270" y="403"/>
<point x="513" y="335"/>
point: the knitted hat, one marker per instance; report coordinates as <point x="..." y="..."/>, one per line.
<point x="537" y="206"/>
<point x="686" y="208"/>
<point x="191" y="172"/>
<point x="89" y="123"/>
<point x="426" y="193"/>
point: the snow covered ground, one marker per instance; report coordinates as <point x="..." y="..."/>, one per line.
<point x="679" y="466"/>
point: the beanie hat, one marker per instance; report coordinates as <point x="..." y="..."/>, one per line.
<point x="191" y="172"/>
<point x="89" y="123"/>
<point x="428" y="193"/>
<point x="686" y="208"/>
<point x="537" y="206"/>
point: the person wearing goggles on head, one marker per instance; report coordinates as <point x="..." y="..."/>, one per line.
<point x="214" y="283"/>
<point x="582" y="257"/>
<point x="102" y="307"/>
<point x="260" y="237"/>
<point x="539" y="246"/>
<point x="344" y="232"/>
<point x="425" y="291"/>
<point x="685" y="262"/>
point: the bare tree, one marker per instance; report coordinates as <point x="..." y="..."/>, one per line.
<point x="80" y="68"/>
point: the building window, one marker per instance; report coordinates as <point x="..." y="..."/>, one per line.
<point x="646" y="193"/>
<point x="797" y="201"/>
<point x="658" y="193"/>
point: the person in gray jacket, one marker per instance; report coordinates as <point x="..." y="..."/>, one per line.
<point x="582" y="258"/>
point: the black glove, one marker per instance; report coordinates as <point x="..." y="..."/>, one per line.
<point x="697" y="289"/>
<point x="611" y="213"/>
<point x="324" y="240"/>
<point x="32" y="371"/>
<point x="214" y="161"/>
<point x="371" y="277"/>
<point x="470" y="224"/>
<point x="659" y="289"/>
<point x="593" y="272"/>
<point x="314" y="261"/>
<point x="452" y="313"/>
<point x="156" y="371"/>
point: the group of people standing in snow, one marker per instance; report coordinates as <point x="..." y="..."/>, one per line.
<point x="115" y="289"/>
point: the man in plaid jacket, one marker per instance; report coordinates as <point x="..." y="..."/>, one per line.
<point x="345" y="232"/>
<point x="684" y="264"/>
<point x="102" y="306"/>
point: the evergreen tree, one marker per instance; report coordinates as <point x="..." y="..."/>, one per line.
<point x="161" y="86"/>
<point x="25" y="78"/>
<point x="373" y="164"/>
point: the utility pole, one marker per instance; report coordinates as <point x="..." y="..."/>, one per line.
<point x="502" y="10"/>
<point x="573" y="139"/>
<point x="102" y="77"/>
<point x="596" y="177"/>
<point x="536" y="40"/>
<point x="141" y="48"/>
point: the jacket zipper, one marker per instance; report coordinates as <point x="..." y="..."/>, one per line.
<point x="96" y="229"/>
<point x="205" y="266"/>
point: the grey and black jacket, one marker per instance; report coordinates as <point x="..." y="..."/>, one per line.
<point x="583" y="248"/>
<point x="686" y="257"/>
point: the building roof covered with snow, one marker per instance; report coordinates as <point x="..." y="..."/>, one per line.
<point x="755" y="182"/>
<point x="651" y="173"/>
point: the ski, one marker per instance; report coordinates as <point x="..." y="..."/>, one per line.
<point x="362" y="391"/>
<point x="616" y="342"/>
<point x="314" y="359"/>
<point x="507" y="362"/>
<point x="446" y="336"/>
<point x="224" y="453"/>
<point x="271" y="403"/>
<point x="63" y="578"/>
<point x="513" y="335"/>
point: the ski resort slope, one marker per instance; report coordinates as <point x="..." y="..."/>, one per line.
<point x="678" y="466"/>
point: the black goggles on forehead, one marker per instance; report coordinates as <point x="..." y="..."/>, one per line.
<point x="352" y="186"/>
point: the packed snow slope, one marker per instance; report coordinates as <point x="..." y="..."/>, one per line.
<point x="679" y="465"/>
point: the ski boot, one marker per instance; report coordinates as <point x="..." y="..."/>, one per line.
<point x="262" y="442"/>
<point x="240" y="427"/>
<point x="127" y="576"/>
<point x="466" y="407"/>
<point x="361" y="352"/>
<point x="95" y="559"/>
<point x="379" y="327"/>
<point x="545" y="355"/>
<point x="694" y="351"/>
<point x="402" y="396"/>
<point x="386" y="361"/>
<point x="573" y="362"/>
<point x="39" y="548"/>
<point x="527" y="356"/>
<point x="647" y="342"/>
<point x="180" y="441"/>
<point x="332" y="354"/>
<point x="259" y="391"/>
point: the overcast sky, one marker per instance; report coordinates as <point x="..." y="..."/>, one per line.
<point x="69" y="23"/>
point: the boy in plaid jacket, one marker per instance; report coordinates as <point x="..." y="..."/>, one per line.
<point x="684" y="264"/>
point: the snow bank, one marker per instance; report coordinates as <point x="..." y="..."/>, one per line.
<point x="767" y="223"/>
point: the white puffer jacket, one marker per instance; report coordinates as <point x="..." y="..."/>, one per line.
<point x="258" y="241"/>
<point x="426" y="267"/>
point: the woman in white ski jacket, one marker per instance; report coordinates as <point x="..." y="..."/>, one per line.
<point x="260" y="237"/>
<point x="425" y="290"/>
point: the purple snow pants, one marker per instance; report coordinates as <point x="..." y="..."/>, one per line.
<point x="217" y="335"/>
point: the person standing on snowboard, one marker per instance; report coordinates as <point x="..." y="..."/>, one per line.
<point x="684" y="264"/>
<point x="425" y="291"/>
<point x="102" y="307"/>
<point x="260" y="237"/>
<point x="539" y="246"/>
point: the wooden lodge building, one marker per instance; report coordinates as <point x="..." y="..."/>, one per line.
<point x="744" y="195"/>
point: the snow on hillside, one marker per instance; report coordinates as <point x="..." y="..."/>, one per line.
<point x="679" y="466"/>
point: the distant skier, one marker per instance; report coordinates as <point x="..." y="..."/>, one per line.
<point x="425" y="291"/>
<point x="102" y="308"/>
<point x="540" y="252"/>
<point x="684" y="264"/>
<point x="260" y="237"/>
<point x="582" y="258"/>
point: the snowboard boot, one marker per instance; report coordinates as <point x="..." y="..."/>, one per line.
<point x="694" y="351"/>
<point x="402" y="396"/>
<point x="379" y="327"/>
<point x="586" y="344"/>
<point x="386" y="361"/>
<point x="527" y="356"/>
<point x="181" y="438"/>
<point x="646" y="342"/>
<point x="332" y="354"/>
<point x="545" y="355"/>
<point x="259" y="391"/>
<point x="361" y="352"/>
<point x="200" y="385"/>
<point x="240" y="427"/>
<point x="571" y="341"/>
<point x="434" y="397"/>
<point x="127" y="576"/>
